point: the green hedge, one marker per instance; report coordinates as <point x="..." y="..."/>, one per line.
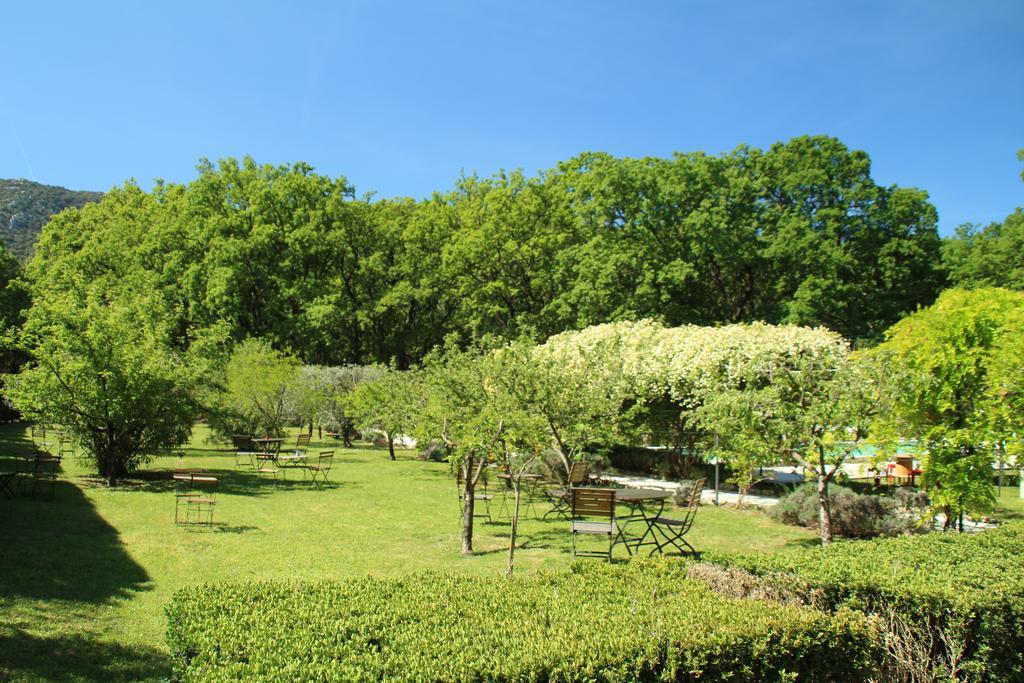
<point x="967" y="584"/>
<point x="643" y="621"/>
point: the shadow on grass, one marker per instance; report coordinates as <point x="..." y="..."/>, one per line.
<point x="61" y="549"/>
<point x="75" y="657"/>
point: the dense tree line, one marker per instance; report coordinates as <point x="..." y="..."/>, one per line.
<point x="799" y="233"/>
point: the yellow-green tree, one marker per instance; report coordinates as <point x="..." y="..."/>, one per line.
<point x="961" y="376"/>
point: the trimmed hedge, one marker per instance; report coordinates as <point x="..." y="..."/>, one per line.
<point x="971" y="585"/>
<point x="642" y="621"/>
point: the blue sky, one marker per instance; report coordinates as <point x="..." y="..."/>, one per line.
<point x="403" y="97"/>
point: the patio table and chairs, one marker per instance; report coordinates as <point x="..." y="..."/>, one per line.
<point x="633" y="530"/>
<point x="269" y="449"/>
<point x="245" y="450"/>
<point x="296" y="458"/>
<point x="38" y="473"/>
<point x="644" y="505"/>
<point x="43" y="476"/>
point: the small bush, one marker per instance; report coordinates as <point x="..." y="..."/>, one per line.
<point x="959" y="598"/>
<point x="854" y="515"/>
<point x="641" y="621"/>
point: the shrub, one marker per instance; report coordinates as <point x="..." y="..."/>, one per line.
<point x="957" y="598"/>
<point x="854" y="515"/>
<point x="642" y="621"/>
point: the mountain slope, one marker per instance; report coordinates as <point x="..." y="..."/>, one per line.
<point x="25" y="207"/>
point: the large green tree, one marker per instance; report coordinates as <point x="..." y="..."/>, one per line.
<point x="103" y="367"/>
<point x="459" y="407"/>
<point x="799" y="233"/>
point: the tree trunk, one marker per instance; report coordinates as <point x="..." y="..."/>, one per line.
<point x="311" y="428"/>
<point x="391" y="446"/>
<point x="467" y="518"/>
<point x="825" y="510"/>
<point x="1002" y="464"/>
<point x="824" y="505"/>
<point x="515" y="529"/>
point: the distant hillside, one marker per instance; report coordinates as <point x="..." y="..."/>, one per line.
<point x="26" y="206"/>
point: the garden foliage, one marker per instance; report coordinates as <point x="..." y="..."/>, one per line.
<point x="855" y="515"/>
<point x="644" y="621"/>
<point x="962" y="595"/>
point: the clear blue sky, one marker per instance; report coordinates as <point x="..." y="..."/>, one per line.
<point x="403" y="97"/>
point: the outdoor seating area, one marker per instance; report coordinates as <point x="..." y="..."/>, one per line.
<point x="36" y="469"/>
<point x="231" y="523"/>
<point x="629" y="517"/>
<point x="265" y="457"/>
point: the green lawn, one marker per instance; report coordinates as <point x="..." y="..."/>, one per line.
<point x="1009" y="504"/>
<point x="84" y="578"/>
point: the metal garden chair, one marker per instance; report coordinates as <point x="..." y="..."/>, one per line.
<point x="195" y="490"/>
<point x="672" y="532"/>
<point x="301" y="444"/>
<point x="321" y="468"/>
<point x="593" y="513"/>
<point x="560" y="498"/>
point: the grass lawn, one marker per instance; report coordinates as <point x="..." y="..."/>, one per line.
<point x="1009" y="504"/>
<point x="84" y="577"/>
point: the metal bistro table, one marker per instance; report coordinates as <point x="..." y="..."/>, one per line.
<point x="292" y="461"/>
<point x="639" y="516"/>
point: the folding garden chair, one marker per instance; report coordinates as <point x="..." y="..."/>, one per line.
<point x="194" y="491"/>
<point x="560" y="498"/>
<point x="672" y="532"/>
<point x="245" y="450"/>
<point x="43" y="476"/>
<point x="478" y="496"/>
<point x="321" y="467"/>
<point x="301" y="444"/>
<point x="593" y="513"/>
<point x="65" y="445"/>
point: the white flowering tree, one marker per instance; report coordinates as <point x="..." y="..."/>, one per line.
<point x="706" y="377"/>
